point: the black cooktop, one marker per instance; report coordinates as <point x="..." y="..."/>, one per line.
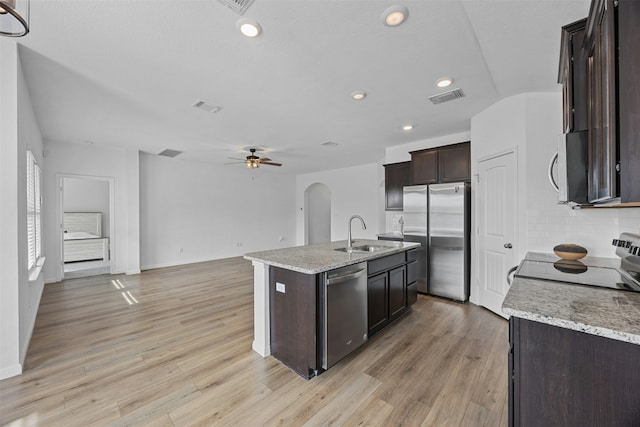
<point x="576" y="272"/>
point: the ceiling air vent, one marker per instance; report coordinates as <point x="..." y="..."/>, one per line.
<point x="169" y="153"/>
<point x="238" y="6"/>
<point x="206" y="107"/>
<point x="446" y="96"/>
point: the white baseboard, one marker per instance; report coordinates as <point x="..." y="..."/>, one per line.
<point x="10" y="371"/>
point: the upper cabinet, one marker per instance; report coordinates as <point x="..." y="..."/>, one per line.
<point x="629" y="99"/>
<point x="424" y="166"/>
<point x="396" y="176"/>
<point x="573" y="76"/>
<point x="600" y="73"/>
<point x="451" y="163"/>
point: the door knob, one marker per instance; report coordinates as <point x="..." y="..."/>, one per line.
<point x="508" y="245"/>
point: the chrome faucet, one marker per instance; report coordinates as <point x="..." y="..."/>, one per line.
<point x="364" y="227"/>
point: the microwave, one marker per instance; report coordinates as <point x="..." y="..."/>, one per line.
<point x="572" y="161"/>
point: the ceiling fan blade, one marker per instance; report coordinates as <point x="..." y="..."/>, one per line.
<point x="271" y="163"/>
<point x="264" y="159"/>
<point x="235" y="158"/>
<point x="236" y="163"/>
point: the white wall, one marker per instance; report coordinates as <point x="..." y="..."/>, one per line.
<point x="191" y="211"/>
<point x="88" y="195"/>
<point x="19" y="297"/>
<point x="84" y="160"/>
<point x="354" y="191"/>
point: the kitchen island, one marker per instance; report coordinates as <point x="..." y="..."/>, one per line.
<point x="574" y="357"/>
<point x="289" y="290"/>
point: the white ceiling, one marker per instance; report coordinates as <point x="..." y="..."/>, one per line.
<point x="126" y="73"/>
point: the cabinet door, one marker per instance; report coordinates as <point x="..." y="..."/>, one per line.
<point x="602" y="93"/>
<point x="563" y="377"/>
<point x="396" y="176"/>
<point x="377" y="302"/>
<point x="455" y="163"/>
<point x="397" y="291"/>
<point x="424" y="167"/>
<point x="629" y="76"/>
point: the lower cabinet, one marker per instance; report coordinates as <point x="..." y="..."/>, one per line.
<point x="562" y="377"/>
<point x="388" y="293"/>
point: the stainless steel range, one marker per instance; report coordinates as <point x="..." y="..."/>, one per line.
<point x="622" y="274"/>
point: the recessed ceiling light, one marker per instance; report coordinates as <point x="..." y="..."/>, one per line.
<point x="407" y="127"/>
<point x="358" y="95"/>
<point x="249" y="27"/>
<point x="444" y="81"/>
<point x="395" y="15"/>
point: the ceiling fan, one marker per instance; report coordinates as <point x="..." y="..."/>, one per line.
<point x="253" y="162"/>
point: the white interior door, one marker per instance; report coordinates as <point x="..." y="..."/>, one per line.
<point x="497" y="225"/>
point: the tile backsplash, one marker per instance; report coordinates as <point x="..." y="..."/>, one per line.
<point x="592" y="228"/>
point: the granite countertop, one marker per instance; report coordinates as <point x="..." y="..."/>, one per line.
<point x="598" y="311"/>
<point x="314" y="259"/>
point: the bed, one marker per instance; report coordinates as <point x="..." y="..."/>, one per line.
<point x="83" y="240"/>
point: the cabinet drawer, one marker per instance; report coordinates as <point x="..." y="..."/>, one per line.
<point x="412" y="271"/>
<point x="386" y="263"/>
<point x="412" y="255"/>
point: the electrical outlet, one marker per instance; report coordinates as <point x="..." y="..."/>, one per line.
<point x="181" y="251"/>
<point x="239" y="244"/>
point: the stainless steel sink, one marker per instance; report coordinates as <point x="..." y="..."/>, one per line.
<point x="363" y="248"/>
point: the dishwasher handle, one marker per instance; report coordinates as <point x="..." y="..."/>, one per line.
<point x="344" y="278"/>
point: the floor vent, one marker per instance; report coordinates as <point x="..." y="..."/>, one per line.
<point x="446" y="96"/>
<point x="206" y="107"/>
<point x="238" y="6"/>
<point x="169" y="153"/>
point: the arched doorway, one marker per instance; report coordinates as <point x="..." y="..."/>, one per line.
<point x="317" y="200"/>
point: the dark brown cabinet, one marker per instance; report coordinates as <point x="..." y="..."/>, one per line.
<point x="388" y="294"/>
<point x="561" y="377"/>
<point x="573" y="76"/>
<point x="606" y="102"/>
<point x="454" y="163"/>
<point x="293" y="320"/>
<point x="396" y="176"/>
<point x="450" y="163"/>
<point x="424" y="166"/>
<point x="629" y="100"/>
<point x="601" y="76"/>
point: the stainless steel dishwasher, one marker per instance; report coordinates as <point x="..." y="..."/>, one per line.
<point x="345" y="312"/>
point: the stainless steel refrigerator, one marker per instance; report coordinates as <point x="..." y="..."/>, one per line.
<point x="449" y="222"/>
<point x="415" y="216"/>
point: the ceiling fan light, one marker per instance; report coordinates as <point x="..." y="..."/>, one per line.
<point x="395" y="15"/>
<point x="14" y="18"/>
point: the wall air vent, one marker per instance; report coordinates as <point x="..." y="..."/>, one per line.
<point x="446" y="96"/>
<point x="206" y="107"/>
<point x="169" y="153"/>
<point x="238" y="6"/>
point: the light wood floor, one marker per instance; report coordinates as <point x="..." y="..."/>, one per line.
<point x="181" y="355"/>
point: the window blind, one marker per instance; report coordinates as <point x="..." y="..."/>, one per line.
<point x="34" y="201"/>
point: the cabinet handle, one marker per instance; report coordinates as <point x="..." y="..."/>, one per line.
<point x="552" y="180"/>
<point x="340" y="279"/>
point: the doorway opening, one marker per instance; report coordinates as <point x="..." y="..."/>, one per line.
<point x="317" y="201"/>
<point x="86" y="226"/>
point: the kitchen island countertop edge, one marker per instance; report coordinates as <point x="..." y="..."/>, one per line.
<point x="318" y="258"/>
